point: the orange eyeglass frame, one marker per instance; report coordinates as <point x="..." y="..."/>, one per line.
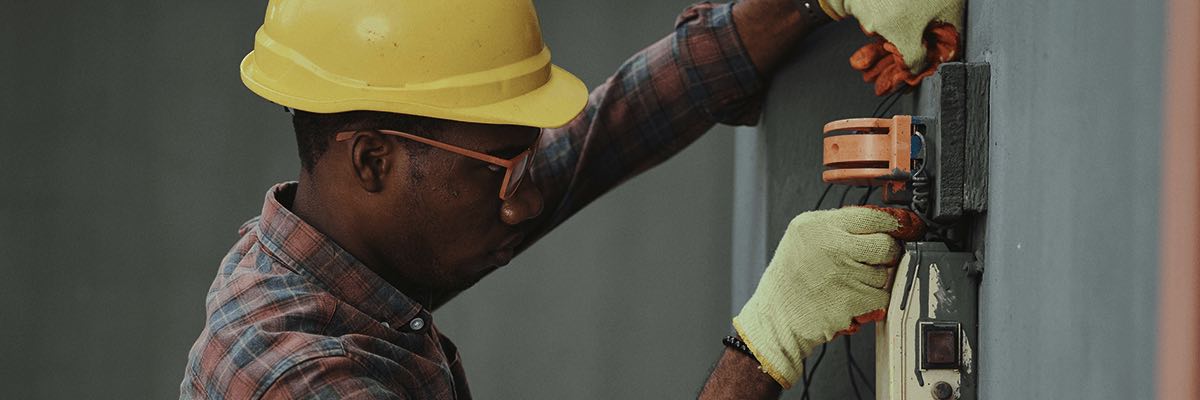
<point x="515" y="166"/>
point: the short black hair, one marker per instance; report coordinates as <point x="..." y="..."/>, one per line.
<point x="315" y="130"/>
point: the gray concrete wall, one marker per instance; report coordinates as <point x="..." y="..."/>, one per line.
<point x="131" y="153"/>
<point x="1068" y="298"/>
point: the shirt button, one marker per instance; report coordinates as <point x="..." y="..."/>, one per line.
<point x="416" y="324"/>
<point x="386" y="325"/>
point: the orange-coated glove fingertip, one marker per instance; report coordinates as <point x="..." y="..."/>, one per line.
<point x="857" y="322"/>
<point x="881" y="75"/>
<point x="860" y="62"/>
<point x="912" y="227"/>
<point x="885" y="83"/>
<point x="875" y="71"/>
<point x="867" y="56"/>
<point x="942" y="33"/>
<point x="850" y="330"/>
<point x="913" y="80"/>
<point x="882" y="87"/>
<point x="877" y="315"/>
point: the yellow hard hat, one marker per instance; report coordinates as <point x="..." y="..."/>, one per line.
<point x="466" y="60"/>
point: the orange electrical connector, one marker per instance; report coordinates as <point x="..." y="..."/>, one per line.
<point x="871" y="152"/>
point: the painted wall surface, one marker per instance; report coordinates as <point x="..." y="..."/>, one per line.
<point x="1068" y="296"/>
<point x="131" y="153"/>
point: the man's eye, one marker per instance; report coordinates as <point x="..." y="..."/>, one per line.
<point x="495" y="168"/>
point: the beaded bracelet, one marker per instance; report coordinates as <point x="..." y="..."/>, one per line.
<point x="736" y="343"/>
<point x="813" y="11"/>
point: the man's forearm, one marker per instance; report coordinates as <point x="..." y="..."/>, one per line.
<point x="737" y="376"/>
<point x="770" y="28"/>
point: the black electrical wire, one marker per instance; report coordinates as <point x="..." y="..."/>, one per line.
<point x="850" y="364"/>
<point x="842" y="201"/>
<point x="866" y="196"/>
<point x="822" y="198"/>
<point x="890" y="101"/>
<point x="863" y="376"/>
<point x="809" y="375"/>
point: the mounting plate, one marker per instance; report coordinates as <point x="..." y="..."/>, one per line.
<point x="929" y="339"/>
<point x="957" y="152"/>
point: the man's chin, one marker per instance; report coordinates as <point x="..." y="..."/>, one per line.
<point x="468" y="280"/>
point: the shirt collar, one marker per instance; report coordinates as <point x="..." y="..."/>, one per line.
<point x="315" y="256"/>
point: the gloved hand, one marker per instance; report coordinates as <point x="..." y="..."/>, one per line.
<point x="824" y="279"/>
<point x="880" y="61"/>
<point x="910" y="28"/>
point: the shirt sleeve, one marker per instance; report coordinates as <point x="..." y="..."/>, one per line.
<point x="657" y="103"/>
<point x="334" y="377"/>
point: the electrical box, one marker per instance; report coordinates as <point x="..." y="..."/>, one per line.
<point x="926" y="348"/>
<point x="934" y="164"/>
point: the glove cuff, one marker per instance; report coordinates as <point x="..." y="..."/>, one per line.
<point x="829" y="11"/>
<point x="764" y="362"/>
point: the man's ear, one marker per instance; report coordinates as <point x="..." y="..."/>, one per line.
<point x="372" y="156"/>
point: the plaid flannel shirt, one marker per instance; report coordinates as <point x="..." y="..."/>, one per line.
<point x="291" y="315"/>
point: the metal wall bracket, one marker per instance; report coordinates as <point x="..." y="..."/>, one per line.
<point x="957" y="160"/>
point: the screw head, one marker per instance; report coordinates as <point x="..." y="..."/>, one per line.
<point x="943" y="391"/>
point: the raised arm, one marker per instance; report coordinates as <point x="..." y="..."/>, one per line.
<point x="711" y="69"/>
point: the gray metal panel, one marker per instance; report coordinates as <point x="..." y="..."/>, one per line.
<point x="1068" y="298"/>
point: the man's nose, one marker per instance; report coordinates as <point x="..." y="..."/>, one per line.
<point x="524" y="205"/>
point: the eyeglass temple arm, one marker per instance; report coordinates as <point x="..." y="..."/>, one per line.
<point x="342" y="136"/>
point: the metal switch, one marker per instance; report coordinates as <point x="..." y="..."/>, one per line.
<point x="939" y="344"/>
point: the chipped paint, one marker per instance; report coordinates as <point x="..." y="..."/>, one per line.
<point x="935" y="282"/>
<point x="943" y="298"/>
<point x="968" y="357"/>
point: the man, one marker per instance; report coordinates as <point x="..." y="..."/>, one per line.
<point x="437" y="141"/>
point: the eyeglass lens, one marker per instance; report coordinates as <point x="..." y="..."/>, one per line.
<point x="517" y="173"/>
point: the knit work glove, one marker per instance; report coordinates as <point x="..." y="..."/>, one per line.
<point x="901" y="22"/>
<point x="824" y="280"/>
<point x="881" y="64"/>
<point x="917" y="35"/>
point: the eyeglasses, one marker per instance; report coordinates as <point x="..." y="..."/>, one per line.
<point x="515" y="168"/>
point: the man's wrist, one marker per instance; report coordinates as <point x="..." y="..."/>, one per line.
<point x="814" y="12"/>
<point x="737" y="376"/>
<point x="735" y="342"/>
<point x="769" y="29"/>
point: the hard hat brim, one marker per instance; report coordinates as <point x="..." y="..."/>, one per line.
<point x="551" y="105"/>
